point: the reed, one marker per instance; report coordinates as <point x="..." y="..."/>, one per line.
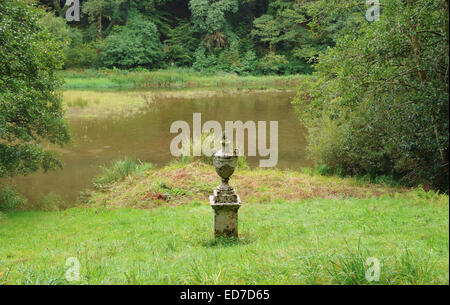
<point x="172" y="78"/>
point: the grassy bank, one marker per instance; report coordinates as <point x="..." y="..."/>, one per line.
<point x="153" y="226"/>
<point x="171" y="79"/>
<point x="100" y="104"/>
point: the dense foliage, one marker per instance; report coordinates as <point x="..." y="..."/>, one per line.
<point x="133" y="45"/>
<point x="241" y="36"/>
<point x="30" y="110"/>
<point x="380" y="104"/>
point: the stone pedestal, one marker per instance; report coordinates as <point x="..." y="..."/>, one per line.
<point x="225" y="204"/>
<point x="225" y="201"/>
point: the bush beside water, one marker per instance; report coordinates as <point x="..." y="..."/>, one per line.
<point x="10" y="199"/>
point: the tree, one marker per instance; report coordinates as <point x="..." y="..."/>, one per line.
<point x="276" y="31"/>
<point x="30" y="108"/>
<point x="209" y="18"/>
<point x="332" y="19"/>
<point x="285" y="29"/>
<point x="181" y="44"/>
<point x="381" y="103"/>
<point x="57" y="26"/>
<point x="100" y="9"/>
<point x="135" y="44"/>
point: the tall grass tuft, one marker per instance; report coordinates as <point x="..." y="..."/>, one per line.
<point x="412" y="269"/>
<point x="78" y="102"/>
<point x="349" y="268"/>
<point x="407" y="268"/>
<point x="118" y="171"/>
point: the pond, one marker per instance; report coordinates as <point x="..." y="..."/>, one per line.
<point x="147" y="137"/>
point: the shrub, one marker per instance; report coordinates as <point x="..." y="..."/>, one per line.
<point x="10" y="199"/>
<point x="273" y="63"/>
<point x="203" y="62"/>
<point x="229" y="59"/>
<point x="82" y="56"/>
<point x="132" y="45"/>
<point x="249" y="63"/>
<point x="49" y="203"/>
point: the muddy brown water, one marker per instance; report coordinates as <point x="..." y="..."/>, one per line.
<point x="147" y="137"/>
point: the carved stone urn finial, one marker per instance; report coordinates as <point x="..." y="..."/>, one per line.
<point x="225" y="162"/>
<point x="225" y="201"/>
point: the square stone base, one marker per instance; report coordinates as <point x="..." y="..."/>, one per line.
<point x="225" y="218"/>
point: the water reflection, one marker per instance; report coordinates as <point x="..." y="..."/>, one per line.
<point x="147" y="137"/>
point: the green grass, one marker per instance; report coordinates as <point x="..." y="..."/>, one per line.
<point x="154" y="226"/>
<point x="309" y="242"/>
<point x="172" y="78"/>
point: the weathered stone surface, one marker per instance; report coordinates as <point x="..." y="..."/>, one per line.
<point x="225" y="201"/>
<point x="225" y="196"/>
<point x="225" y="219"/>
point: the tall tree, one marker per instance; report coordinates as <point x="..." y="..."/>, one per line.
<point x="210" y="18"/>
<point x="285" y="29"/>
<point x="30" y="108"/>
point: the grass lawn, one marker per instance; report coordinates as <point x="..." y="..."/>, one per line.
<point x="322" y="236"/>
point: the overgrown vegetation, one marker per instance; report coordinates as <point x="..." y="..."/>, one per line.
<point x="379" y="106"/>
<point x="380" y="102"/>
<point x="135" y="44"/>
<point x="174" y="78"/>
<point x="194" y="180"/>
<point x="238" y="36"/>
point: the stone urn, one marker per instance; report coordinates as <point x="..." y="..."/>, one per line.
<point x="225" y="202"/>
